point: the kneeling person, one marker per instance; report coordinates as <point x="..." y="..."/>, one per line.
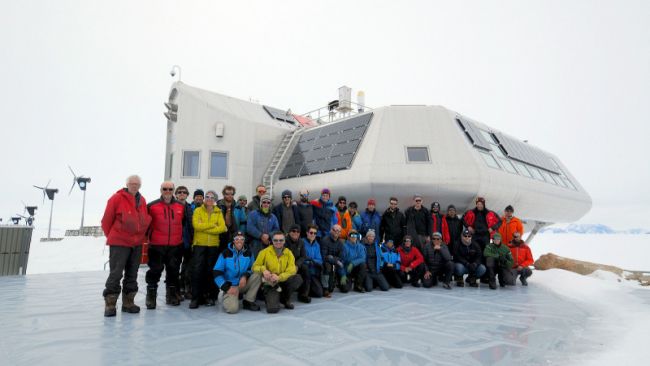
<point x="412" y="263"/>
<point x="523" y="258"/>
<point x="438" y="262"/>
<point x="233" y="276"/>
<point x="354" y="261"/>
<point x="277" y="266"/>
<point x="498" y="261"/>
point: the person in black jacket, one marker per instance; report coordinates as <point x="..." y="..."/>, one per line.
<point x="185" y="277"/>
<point x="452" y="227"/>
<point x="468" y="257"/>
<point x="438" y="262"/>
<point x="418" y="223"/>
<point x="286" y="212"/>
<point x="297" y="247"/>
<point x="331" y="248"/>
<point x="393" y="224"/>
<point x="436" y="218"/>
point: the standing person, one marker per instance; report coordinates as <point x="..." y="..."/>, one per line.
<point x="297" y="247"/>
<point x="418" y="223"/>
<point x="452" y="227"/>
<point x="254" y="204"/>
<point x="370" y="219"/>
<point x="208" y="225"/>
<point x="324" y="213"/>
<point x="125" y="223"/>
<point x="436" y="218"/>
<point x="185" y="256"/>
<point x="468" y="257"/>
<point x="241" y="213"/>
<point x="305" y="212"/>
<point x="437" y="260"/>
<point x="261" y="223"/>
<point x="165" y="243"/>
<point x="481" y="222"/>
<point x="286" y="212"/>
<point x="412" y="263"/>
<point x="523" y="259"/>
<point x="374" y="263"/>
<point x="391" y="260"/>
<point x="277" y="266"/>
<point x="393" y="224"/>
<point x="343" y="217"/>
<point x="499" y="262"/>
<point x="314" y="262"/>
<point x="227" y="205"/>
<point x="510" y="225"/>
<point x="234" y="276"/>
<point x="354" y="261"/>
<point x="331" y="247"/>
<point x="357" y="223"/>
<point x="197" y="199"/>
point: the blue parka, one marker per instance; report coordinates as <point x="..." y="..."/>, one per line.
<point x="231" y="266"/>
<point x="370" y="220"/>
<point x="259" y="223"/>
<point x="390" y="256"/>
<point x="354" y="253"/>
<point x="313" y="252"/>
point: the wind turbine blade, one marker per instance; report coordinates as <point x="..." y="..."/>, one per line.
<point x="74" y="180"/>
<point x="75" y="176"/>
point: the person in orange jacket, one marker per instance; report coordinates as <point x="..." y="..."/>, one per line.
<point x="510" y="225"/>
<point x="523" y="258"/>
<point x="343" y="217"/>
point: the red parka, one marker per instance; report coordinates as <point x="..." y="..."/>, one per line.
<point x="123" y="223"/>
<point x="493" y="221"/>
<point x="166" y="222"/>
<point x="411" y="259"/>
<point x="521" y="254"/>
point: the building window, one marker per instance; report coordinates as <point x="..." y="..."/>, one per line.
<point x="490" y="160"/>
<point x="522" y="169"/>
<point x="218" y="164"/>
<point x="191" y="164"/>
<point x="417" y="154"/>
<point x="508" y="166"/>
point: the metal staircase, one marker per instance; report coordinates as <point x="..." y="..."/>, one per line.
<point x="288" y="141"/>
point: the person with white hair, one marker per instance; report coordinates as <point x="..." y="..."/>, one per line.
<point x="374" y="263"/>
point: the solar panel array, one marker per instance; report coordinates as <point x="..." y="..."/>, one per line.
<point x="473" y="133"/>
<point x="328" y="148"/>
<point x="525" y="153"/>
<point x="280" y="115"/>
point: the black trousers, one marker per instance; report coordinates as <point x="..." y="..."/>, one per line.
<point x="203" y="260"/>
<point x="273" y="298"/>
<point x="525" y="272"/>
<point x="414" y="276"/>
<point x="358" y="275"/>
<point x="311" y="285"/>
<point x="163" y="257"/>
<point x="445" y="272"/>
<point x="392" y="276"/>
<point x="494" y="270"/>
<point x="375" y="279"/>
<point x="185" y="260"/>
<point x="123" y="261"/>
<point x="331" y="271"/>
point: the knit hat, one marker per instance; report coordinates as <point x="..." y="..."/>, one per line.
<point x="326" y="191"/>
<point x="294" y="227"/>
<point x="372" y="202"/>
<point x="416" y="196"/>
<point x="242" y="197"/>
<point x="467" y="232"/>
<point x="450" y="207"/>
<point x="286" y="193"/>
<point x="436" y="235"/>
<point x="265" y="197"/>
<point x="496" y="236"/>
<point x="198" y="192"/>
<point x="370" y="232"/>
<point x="480" y="199"/>
<point x="435" y="204"/>
<point x="510" y="208"/>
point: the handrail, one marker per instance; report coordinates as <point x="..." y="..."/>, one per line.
<point x="295" y="132"/>
<point x="332" y="112"/>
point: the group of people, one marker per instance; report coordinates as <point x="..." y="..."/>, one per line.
<point x="256" y="252"/>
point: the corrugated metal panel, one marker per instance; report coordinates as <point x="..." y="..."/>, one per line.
<point x="14" y="249"/>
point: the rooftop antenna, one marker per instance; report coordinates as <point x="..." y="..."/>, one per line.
<point x="83" y="184"/>
<point x="49" y="192"/>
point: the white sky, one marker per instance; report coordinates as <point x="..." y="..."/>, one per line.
<point x="85" y="82"/>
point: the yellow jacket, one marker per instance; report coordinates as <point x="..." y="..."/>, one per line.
<point x="284" y="267"/>
<point x="207" y="227"/>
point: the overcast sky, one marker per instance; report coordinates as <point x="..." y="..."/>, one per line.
<point x="85" y="82"/>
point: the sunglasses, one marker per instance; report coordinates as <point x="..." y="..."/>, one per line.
<point x="467" y="236"/>
<point x="278" y="240"/>
<point x="437" y="239"/>
<point x="228" y="194"/>
<point x="418" y="200"/>
<point x="312" y="232"/>
<point x="182" y="192"/>
<point x="266" y="202"/>
<point x="168" y="189"/>
<point x="209" y="197"/>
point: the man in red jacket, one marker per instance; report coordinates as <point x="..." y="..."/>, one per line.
<point x="412" y="268"/>
<point x="165" y="242"/>
<point x="523" y="258"/>
<point x="125" y="224"/>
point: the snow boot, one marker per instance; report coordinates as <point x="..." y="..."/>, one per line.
<point x="150" y="301"/>
<point x="194" y="304"/>
<point x="493" y="285"/>
<point x="171" y="297"/>
<point x="523" y="280"/>
<point x="128" y="304"/>
<point x="252" y="306"/>
<point x="110" y="301"/>
<point x="446" y="286"/>
<point x="459" y="281"/>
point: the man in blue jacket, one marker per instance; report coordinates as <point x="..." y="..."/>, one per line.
<point x="233" y="276"/>
<point x="260" y="224"/>
<point x="354" y="262"/>
<point x="312" y="286"/>
<point x="370" y="218"/>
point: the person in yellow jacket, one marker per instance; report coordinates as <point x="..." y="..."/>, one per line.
<point x="509" y="225"/>
<point x="277" y="265"/>
<point x="208" y="223"/>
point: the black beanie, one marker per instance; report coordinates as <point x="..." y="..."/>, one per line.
<point x="198" y="192"/>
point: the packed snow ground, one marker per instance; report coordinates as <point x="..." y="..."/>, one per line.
<point x="561" y="318"/>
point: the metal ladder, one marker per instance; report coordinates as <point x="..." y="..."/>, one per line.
<point x="287" y="142"/>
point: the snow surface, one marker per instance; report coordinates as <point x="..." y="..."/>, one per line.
<point x="561" y="318"/>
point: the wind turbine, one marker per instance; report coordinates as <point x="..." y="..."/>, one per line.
<point x="31" y="210"/>
<point x="83" y="184"/>
<point x="49" y="192"/>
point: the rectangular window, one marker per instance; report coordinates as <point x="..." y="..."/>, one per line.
<point x="417" y="154"/>
<point x="218" y="164"/>
<point x="548" y="177"/>
<point x="191" y="164"/>
<point x="536" y="173"/>
<point x="522" y="169"/>
<point x="490" y="160"/>
<point x="507" y="165"/>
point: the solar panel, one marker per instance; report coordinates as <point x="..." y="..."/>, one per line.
<point x="525" y="153"/>
<point x="473" y="133"/>
<point x="327" y="148"/>
<point x="280" y="115"/>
